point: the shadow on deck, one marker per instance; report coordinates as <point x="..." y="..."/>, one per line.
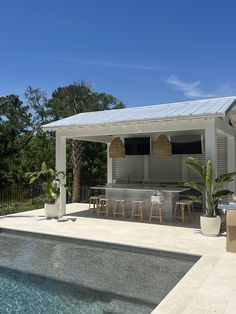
<point x="187" y="224"/>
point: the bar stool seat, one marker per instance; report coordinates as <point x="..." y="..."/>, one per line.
<point x="157" y="211"/>
<point x="103" y="206"/>
<point x="119" y="208"/>
<point x="93" y="204"/>
<point x="181" y="207"/>
<point x="138" y="208"/>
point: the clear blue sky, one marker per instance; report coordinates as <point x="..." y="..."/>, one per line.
<point x="141" y="51"/>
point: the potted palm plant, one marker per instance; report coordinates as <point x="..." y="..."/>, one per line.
<point x="50" y="180"/>
<point x="212" y="190"/>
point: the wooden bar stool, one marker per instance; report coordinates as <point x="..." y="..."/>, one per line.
<point x="138" y="209"/>
<point x="119" y="208"/>
<point x="157" y="211"/>
<point x="93" y="204"/>
<point x="103" y="207"/>
<point x="180" y="208"/>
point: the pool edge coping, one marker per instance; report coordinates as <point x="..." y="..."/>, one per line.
<point x="104" y="244"/>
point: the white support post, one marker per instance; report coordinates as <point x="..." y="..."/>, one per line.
<point x="61" y="166"/>
<point x="109" y="166"/>
<point x="231" y="160"/>
<point x="211" y="145"/>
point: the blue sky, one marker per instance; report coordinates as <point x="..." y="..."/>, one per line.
<point x="141" y="51"/>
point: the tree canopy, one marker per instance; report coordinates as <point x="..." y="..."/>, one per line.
<point x="24" y="146"/>
<point x="73" y="99"/>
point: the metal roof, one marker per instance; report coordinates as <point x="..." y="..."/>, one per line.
<point x="215" y="107"/>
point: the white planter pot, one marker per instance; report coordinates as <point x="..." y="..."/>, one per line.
<point x="51" y="210"/>
<point x="210" y="225"/>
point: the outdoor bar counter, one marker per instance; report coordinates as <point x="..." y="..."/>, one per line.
<point x="131" y="192"/>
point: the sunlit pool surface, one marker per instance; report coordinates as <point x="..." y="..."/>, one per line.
<point x="40" y="275"/>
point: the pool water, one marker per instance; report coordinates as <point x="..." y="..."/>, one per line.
<point x="26" y="293"/>
<point x="44" y="275"/>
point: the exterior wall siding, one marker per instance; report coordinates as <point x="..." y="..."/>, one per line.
<point x="221" y="155"/>
<point x="128" y="168"/>
<point x="166" y="169"/>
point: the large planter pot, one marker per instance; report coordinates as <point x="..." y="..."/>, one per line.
<point x="51" y="210"/>
<point x="210" y="226"/>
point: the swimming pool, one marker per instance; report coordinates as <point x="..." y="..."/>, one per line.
<point x="45" y="275"/>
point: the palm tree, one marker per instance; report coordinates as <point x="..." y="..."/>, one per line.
<point x="73" y="99"/>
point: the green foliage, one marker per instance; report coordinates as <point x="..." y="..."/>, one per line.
<point x="94" y="159"/>
<point x="79" y="97"/>
<point x="22" y="143"/>
<point x="210" y="188"/>
<point x="17" y="207"/>
<point x="14" y="133"/>
<point x="73" y="99"/>
<point x="50" y="180"/>
<point x="24" y="146"/>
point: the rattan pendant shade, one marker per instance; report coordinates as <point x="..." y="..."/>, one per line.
<point x="162" y="146"/>
<point x="117" y="148"/>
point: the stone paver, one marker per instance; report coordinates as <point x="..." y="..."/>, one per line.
<point x="209" y="286"/>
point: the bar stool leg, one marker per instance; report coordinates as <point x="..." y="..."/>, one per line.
<point x="132" y="212"/>
<point x="175" y="211"/>
<point x="141" y="211"/>
<point x="182" y="212"/>
<point x="150" y="217"/>
<point x="189" y="212"/>
<point x="123" y="209"/>
<point x="161" y="213"/>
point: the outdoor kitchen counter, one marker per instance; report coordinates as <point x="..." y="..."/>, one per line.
<point x="141" y="187"/>
<point x="131" y="192"/>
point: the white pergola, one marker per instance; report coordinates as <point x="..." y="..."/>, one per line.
<point x="209" y="117"/>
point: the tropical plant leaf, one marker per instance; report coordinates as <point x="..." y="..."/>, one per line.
<point x="223" y="193"/>
<point x="44" y="167"/>
<point x="195" y="199"/>
<point x="196" y="166"/>
<point x="211" y="187"/>
<point x="196" y="186"/>
<point x="50" y="180"/>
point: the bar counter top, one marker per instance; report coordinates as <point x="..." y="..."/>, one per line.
<point x="141" y="187"/>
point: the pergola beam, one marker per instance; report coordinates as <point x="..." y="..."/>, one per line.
<point x="135" y="128"/>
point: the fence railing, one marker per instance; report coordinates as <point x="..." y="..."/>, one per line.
<point x="21" y="193"/>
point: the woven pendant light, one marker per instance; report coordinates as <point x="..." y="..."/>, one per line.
<point x="117" y="148"/>
<point x="162" y="146"/>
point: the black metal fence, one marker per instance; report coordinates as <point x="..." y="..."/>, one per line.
<point x="85" y="189"/>
<point x="19" y="193"/>
<point x="22" y="193"/>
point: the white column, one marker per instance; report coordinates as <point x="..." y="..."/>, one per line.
<point x="211" y="145"/>
<point x="61" y="166"/>
<point x="231" y="160"/>
<point x="109" y="166"/>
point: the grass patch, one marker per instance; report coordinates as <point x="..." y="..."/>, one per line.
<point x="17" y="207"/>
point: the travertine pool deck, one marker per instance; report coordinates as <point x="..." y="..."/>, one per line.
<point x="209" y="287"/>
